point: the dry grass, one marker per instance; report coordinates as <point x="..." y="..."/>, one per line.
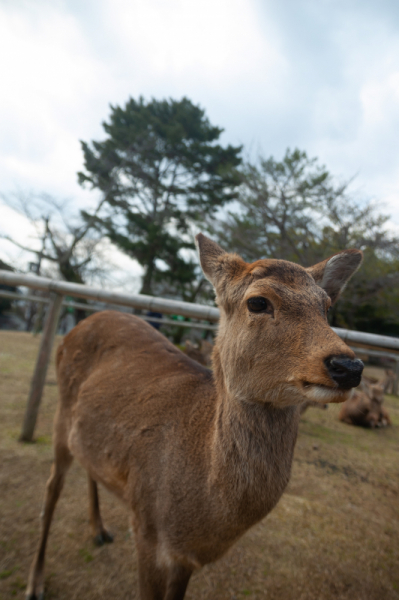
<point x="334" y="534"/>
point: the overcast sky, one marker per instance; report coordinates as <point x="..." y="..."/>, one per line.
<point x="321" y="75"/>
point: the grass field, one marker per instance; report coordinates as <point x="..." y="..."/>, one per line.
<point x="333" y="535"/>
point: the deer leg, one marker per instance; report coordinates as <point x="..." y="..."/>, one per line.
<point x="177" y="582"/>
<point x="62" y="461"/>
<point x="151" y="577"/>
<point x="101" y="535"/>
<point x="159" y="582"/>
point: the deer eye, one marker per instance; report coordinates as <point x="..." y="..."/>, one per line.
<point x="260" y="305"/>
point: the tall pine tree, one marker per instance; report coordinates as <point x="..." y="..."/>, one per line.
<point x="161" y="170"/>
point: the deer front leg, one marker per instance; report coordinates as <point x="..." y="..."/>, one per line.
<point x="177" y="582"/>
<point x="158" y="582"/>
<point x="62" y="461"/>
<point x="100" y="534"/>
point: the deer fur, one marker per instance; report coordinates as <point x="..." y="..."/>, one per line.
<point x="201" y="353"/>
<point x="389" y="381"/>
<point x="364" y="407"/>
<point x="197" y="456"/>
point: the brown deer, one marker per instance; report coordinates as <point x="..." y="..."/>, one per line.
<point x="364" y="407"/>
<point x="389" y="381"/>
<point x="198" y="456"/>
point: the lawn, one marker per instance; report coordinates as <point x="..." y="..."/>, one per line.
<point x="334" y="534"/>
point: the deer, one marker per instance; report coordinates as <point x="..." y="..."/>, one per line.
<point x="364" y="408"/>
<point x="389" y="381"/>
<point x="197" y="455"/>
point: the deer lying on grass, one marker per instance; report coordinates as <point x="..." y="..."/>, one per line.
<point x="364" y="408"/>
<point x="198" y="456"/>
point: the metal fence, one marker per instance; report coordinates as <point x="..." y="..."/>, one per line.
<point x="97" y="308"/>
<point x="363" y="342"/>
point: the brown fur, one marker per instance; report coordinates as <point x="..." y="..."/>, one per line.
<point x="389" y="381"/>
<point x="201" y="353"/>
<point x="198" y="457"/>
<point x="364" y="408"/>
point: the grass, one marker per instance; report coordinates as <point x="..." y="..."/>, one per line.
<point x="334" y="534"/>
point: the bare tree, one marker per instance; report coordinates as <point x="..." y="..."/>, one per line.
<point x="62" y="240"/>
<point x="294" y="209"/>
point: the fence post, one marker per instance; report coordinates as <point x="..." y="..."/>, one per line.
<point x="396" y="380"/>
<point x="39" y="376"/>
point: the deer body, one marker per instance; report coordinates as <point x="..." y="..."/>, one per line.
<point x="364" y="408"/>
<point x="198" y="456"/>
<point x="206" y="462"/>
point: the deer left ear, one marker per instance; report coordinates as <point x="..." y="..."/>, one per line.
<point x="216" y="263"/>
<point x="334" y="273"/>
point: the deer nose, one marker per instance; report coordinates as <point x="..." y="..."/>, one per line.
<point x="345" y="371"/>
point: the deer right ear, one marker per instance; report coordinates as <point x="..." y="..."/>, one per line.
<point x="215" y="262"/>
<point x="334" y="273"/>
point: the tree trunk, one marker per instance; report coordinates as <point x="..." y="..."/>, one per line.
<point x="146" y="287"/>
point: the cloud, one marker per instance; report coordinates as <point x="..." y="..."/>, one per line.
<point x="206" y="40"/>
<point x="322" y="76"/>
<point x="48" y="83"/>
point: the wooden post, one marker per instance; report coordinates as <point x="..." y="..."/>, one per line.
<point x="39" y="376"/>
<point x="396" y="380"/>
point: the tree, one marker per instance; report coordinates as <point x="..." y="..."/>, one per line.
<point x="70" y="244"/>
<point x="294" y="210"/>
<point x="160" y="171"/>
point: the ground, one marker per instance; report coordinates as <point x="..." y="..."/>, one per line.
<point x="334" y="533"/>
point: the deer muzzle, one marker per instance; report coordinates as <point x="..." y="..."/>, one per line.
<point x="346" y="372"/>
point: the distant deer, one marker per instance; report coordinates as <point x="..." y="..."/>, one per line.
<point x="198" y="456"/>
<point x="364" y="408"/>
<point x="389" y="381"/>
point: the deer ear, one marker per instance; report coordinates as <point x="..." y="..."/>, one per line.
<point x="334" y="273"/>
<point x="215" y="262"/>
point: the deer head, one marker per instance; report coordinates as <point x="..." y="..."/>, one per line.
<point x="274" y="343"/>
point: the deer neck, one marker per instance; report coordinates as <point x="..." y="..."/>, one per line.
<point x="252" y="449"/>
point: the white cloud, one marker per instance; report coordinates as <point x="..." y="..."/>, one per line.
<point x="214" y="41"/>
<point x="49" y="81"/>
<point x="321" y="76"/>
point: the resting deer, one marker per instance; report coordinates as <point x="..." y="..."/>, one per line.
<point x="198" y="456"/>
<point x="389" y="381"/>
<point x="364" y="408"/>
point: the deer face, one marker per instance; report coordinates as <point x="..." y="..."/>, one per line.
<point x="275" y="343"/>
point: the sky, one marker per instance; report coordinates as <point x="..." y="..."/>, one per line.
<point x="320" y="75"/>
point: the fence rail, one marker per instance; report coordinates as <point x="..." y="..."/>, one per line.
<point x="58" y="289"/>
<point x="96" y="308"/>
<point x="78" y="290"/>
<point x="164" y="305"/>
